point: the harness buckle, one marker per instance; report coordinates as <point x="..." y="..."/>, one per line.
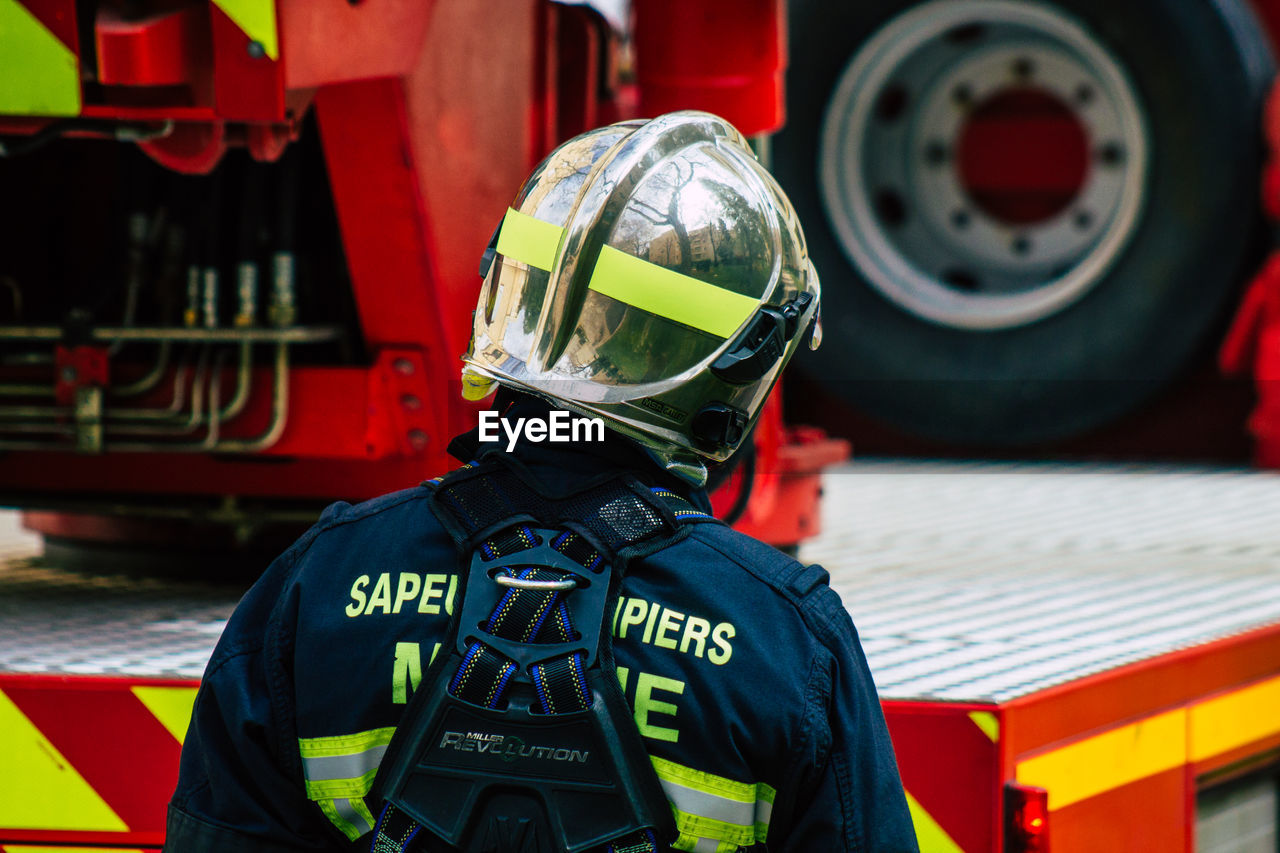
<point x="520" y="583"/>
<point x="518" y="778"/>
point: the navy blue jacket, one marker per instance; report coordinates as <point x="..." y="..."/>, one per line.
<point x="744" y="670"/>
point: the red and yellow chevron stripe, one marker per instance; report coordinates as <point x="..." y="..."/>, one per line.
<point x="89" y="760"/>
<point x="38" y="60"/>
<point x="949" y="759"/>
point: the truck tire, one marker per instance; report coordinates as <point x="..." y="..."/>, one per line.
<point x="1027" y="216"/>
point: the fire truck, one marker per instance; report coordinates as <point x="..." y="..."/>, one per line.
<point x="235" y="283"/>
<point x="1070" y="658"/>
<point x="256" y="303"/>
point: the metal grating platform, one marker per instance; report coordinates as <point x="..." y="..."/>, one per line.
<point x="984" y="582"/>
<point x="58" y="622"/>
<point x="973" y="582"/>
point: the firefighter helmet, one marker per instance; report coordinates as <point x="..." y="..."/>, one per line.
<point x="651" y="273"/>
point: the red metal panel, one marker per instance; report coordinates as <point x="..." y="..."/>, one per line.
<point x="1168" y="681"/>
<point x="191" y="148"/>
<point x="951" y="767"/>
<point x="59" y="18"/>
<point x="376" y="195"/>
<point x="420" y="176"/>
<point x="1240" y="756"/>
<point x="723" y="56"/>
<point x="119" y="748"/>
<point x="578" y="51"/>
<point x="412" y="421"/>
<point x="346" y="42"/>
<point x="113" y="741"/>
<point x="164" y="49"/>
<point x="132" y="475"/>
<point x="1148" y="816"/>
<point x="466" y="105"/>
<point x="248" y="85"/>
<point x="78" y="367"/>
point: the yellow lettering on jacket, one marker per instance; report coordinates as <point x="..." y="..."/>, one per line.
<point x="644" y="704"/>
<point x="657" y="625"/>
<point x="381" y="596"/>
<point x="395" y="593"/>
<point x="356" y="607"/>
<point x="406" y="671"/>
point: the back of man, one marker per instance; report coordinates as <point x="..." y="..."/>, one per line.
<point x="753" y="713"/>
<point x="746" y="680"/>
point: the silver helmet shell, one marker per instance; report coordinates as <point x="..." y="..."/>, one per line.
<point x="651" y="273"/>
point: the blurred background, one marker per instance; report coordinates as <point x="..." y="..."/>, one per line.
<point x="239" y="252"/>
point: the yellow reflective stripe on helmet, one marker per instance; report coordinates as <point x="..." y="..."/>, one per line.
<point x="39" y="75"/>
<point x="339" y="771"/>
<point x="712" y="809"/>
<point x="529" y="240"/>
<point x="258" y="20"/>
<point x="669" y="294"/>
<point x="634" y="281"/>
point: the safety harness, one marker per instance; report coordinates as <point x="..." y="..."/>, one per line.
<point x="519" y="738"/>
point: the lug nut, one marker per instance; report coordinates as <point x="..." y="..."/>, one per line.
<point x="1111" y="154"/>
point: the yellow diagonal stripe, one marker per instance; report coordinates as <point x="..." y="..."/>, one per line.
<point x="1109" y="760"/>
<point x="669" y="294"/>
<point x="529" y="240"/>
<point x="171" y="706"/>
<point x="39" y="75"/>
<point x="988" y="722"/>
<point x="931" y="837"/>
<point x="39" y="789"/>
<point x="1238" y="718"/>
<point x="258" y="20"/>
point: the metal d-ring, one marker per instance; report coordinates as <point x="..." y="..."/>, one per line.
<point x="545" y="586"/>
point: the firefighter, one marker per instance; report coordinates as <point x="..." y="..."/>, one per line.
<point x="555" y="646"/>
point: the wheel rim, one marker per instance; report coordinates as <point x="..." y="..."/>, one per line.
<point x="934" y="173"/>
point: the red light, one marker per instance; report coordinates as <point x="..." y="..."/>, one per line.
<point x="1026" y="819"/>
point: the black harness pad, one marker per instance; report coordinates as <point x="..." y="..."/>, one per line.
<point x="481" y="760"/>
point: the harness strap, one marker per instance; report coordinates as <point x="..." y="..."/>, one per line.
<point x="532" y="610"/>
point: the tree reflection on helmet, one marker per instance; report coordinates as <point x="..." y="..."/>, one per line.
<point x="651" y="273"/>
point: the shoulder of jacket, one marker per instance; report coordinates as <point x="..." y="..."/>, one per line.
<point x="341" y="513"/>
<point x="806" y="587"/>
